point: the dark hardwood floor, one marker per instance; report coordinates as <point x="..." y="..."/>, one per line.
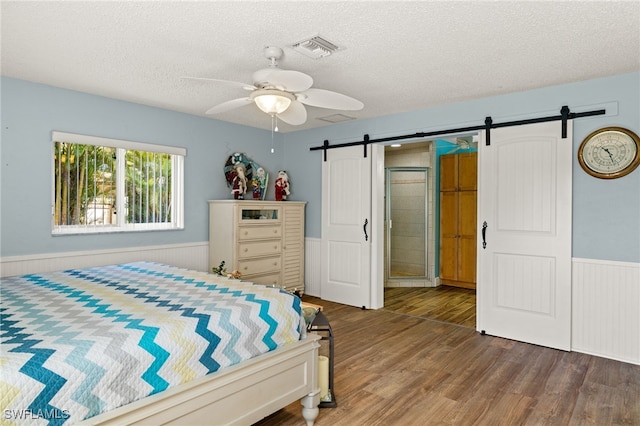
<point x="396" y="368"/>
<point x="443" y="303"/>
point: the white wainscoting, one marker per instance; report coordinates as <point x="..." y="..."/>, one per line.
<point x="312" y="266"/>
<point x="606" y="309"/>
<point x="189" y="255"/>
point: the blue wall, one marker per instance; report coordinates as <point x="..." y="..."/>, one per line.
<point x="31" y="111"/>
<point x="606" y="214"/>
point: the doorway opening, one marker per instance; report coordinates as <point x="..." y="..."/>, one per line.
<point x="408" y="217"/>
<point x="410" y="287"/>
<point x="406" y="220"/>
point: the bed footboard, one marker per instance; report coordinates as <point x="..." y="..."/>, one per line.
<point x="238" y="395"/>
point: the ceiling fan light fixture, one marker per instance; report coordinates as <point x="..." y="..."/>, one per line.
<point x="272" y="101"/>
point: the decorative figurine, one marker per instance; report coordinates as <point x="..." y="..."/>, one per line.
<point x="238" y="171"/>
<point x="282" y="186"/>
<point x="259" y="183"/>
<point x="222" y="271"/>
<point x="239" y="183"/>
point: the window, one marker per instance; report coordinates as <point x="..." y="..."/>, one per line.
<point x="108" y="185"/>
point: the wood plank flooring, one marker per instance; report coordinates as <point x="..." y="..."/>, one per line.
<point x="443" y="303"/>
<point x="394" y="368"/>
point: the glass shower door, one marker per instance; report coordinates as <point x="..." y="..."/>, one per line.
<point x="406" y="222"/>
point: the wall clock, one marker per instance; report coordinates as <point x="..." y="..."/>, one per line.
<point x="610" y="152"/>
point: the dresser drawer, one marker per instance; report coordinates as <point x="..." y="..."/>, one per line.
<point x="259" y="232"/>
<point x="259" y="266"/>
<point x="269" y="279"/>
<point x="259" y="248"/>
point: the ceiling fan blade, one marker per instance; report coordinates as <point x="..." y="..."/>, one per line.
<point x="291" y="81"/>
<point x="328" y="99"/>
<point x="229" y="105"/>
<point x="295" y="115"/>
<point x="245" y="86"/>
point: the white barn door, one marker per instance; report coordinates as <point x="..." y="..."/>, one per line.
<point x="524" y="206"/>
<point x="346" y="227"/>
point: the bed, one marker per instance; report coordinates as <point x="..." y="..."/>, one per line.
<point x="148" y="343"/>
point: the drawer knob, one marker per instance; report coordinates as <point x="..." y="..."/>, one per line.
<point x="246" y="249"/>
<point x="275" y="231"/>
<point x="246" y="267"/>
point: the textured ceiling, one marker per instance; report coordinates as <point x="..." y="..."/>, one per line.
<point x="398" y="56"/>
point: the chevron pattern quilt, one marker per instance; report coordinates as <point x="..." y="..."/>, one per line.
<point x="80" y="342"/>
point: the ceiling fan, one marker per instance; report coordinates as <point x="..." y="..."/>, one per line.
<point x="283" y="93"/>
<point x="465" y="143"/>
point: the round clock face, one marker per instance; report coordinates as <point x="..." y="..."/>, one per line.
<point x="610" y="152"/>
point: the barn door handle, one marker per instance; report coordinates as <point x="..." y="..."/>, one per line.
<point x="484" y="234"/>
<point x="364" y="228"/>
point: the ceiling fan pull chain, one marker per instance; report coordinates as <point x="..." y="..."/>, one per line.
<point x="272" y="130"/>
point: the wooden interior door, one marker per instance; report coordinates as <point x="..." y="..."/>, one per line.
<point x="467" y="171"/>
<point x="449" y="235"/>
<point x="448" y="173"/>
<point x="458" y="213"/>
<point x="467" y="222"/>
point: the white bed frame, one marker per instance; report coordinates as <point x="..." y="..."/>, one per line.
<point x="239" y="395"/>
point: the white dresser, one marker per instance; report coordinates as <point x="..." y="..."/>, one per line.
<point x="264" y="240"/>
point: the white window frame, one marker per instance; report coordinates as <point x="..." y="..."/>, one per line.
<point x="177" y="178"/>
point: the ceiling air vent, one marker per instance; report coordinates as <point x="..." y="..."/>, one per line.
<point x="336" y="118"/>
<point x="316" y="47"/>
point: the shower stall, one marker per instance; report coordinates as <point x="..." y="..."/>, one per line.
<point x="406" y="223"/>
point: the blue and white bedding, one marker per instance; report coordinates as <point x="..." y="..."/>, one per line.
<point x="80" y="342"/>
